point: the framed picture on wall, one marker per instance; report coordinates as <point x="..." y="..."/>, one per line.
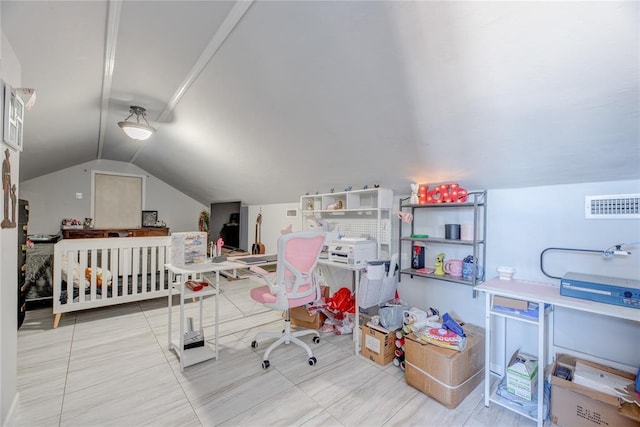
<point x="149" y="218"/>
<point x="13" y="118"/>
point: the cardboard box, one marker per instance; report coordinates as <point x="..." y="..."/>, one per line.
<point x="574" y="405"/>
<point x="300" y="316"/>
<point x="516" y="304"/>
<point x="188" y="248"/>
<point x="522" y="375"/>
<point x="378" y="344"/>
<point x="446" y="375"/>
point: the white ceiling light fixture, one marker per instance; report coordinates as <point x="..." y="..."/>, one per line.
<point x="136" y="130"/>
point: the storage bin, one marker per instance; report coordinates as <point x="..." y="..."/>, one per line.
<point x="188" y="248"/>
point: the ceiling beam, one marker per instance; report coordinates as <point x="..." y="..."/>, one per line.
<point x="235" y="14"/>
<point x="113" y="24"/>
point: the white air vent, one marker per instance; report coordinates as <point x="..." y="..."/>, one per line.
<point x="292" y="212"/>
<point x="620" y="206"/>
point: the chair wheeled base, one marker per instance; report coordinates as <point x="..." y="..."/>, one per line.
<point x="286" y="337"/>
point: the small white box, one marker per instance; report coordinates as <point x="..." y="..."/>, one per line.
<point x="188" y="248"/>
<point x="522" y="375"/>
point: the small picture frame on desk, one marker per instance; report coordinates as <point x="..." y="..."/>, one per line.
<point x="149" y="218"/>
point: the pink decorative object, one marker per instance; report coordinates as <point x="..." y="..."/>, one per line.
<point x="405" y="217"/>
<point x="219" y="244"/>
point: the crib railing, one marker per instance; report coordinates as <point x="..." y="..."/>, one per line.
<point x="89" y="273"/>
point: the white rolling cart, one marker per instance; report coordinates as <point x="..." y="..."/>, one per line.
<point x="178" y="276"/>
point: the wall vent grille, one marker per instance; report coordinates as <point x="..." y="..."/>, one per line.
<point x="620" y="206"/>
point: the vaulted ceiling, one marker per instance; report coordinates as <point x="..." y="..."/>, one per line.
<point x="264" y="101"/>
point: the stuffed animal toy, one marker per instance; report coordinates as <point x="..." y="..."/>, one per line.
<point x="101" y="276"/>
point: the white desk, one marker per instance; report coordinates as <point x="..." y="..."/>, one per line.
<point x="177" y="278"/>
<point x="356" y="269"/>
<point x="243" y="272"/>
<point x="541" y="293"/>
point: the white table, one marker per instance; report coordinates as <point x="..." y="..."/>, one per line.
<point x="356" y="269"/>
<point x="541" y="293"/>
<point x="177" y="278"/>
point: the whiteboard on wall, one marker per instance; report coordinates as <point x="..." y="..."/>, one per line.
<point x="117" y="200"/>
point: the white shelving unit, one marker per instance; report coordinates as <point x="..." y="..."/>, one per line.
<point x="476" y="205"/>
<point x="353" y="213"/>
<point x="540" y="293"/>
<point x="540" y="323"/>
<point x="178" y="276"/>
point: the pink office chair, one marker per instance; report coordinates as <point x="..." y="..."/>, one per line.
<point x="293" y="285"/>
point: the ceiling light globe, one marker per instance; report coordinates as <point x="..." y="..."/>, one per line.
<point x="137" y="131"/>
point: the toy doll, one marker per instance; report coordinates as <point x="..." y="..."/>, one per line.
<point x="439" y="265"/>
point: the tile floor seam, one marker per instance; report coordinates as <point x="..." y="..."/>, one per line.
<point x="260" y="403"/>
<point x="173" y="372"/>
<point x="66" y="375"/>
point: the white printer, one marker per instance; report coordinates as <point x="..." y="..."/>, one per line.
<point x="352" y="251"/>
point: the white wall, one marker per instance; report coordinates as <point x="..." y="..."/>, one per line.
<point x="10" y="72"/>
<point x="523" y="222"/>
<point x="274" y="219"/>
<point x="53" y="197"/>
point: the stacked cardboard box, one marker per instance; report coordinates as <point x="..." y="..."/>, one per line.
<point x="446" y="375"/>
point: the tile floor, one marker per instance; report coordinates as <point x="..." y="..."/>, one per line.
<point x="111" y="367"/>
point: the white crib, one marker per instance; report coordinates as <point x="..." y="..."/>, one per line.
<point x="126" y="269"/>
